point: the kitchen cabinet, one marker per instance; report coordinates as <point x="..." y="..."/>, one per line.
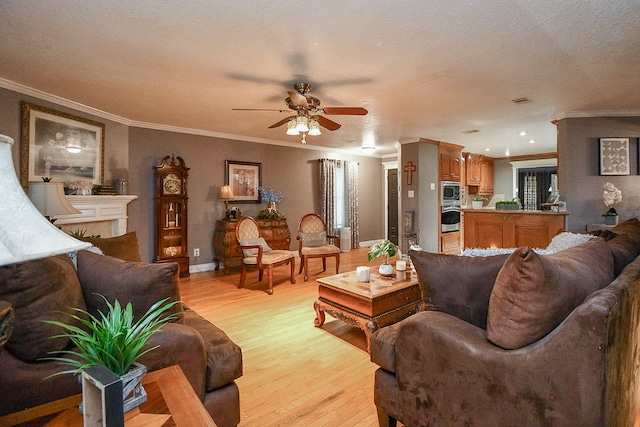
<point x="473" y="168"/>
<point x="450" y="243"/>
<point x="486" y="176"/>
<point x="488" y="228"/>
<point x="450" y="162"/>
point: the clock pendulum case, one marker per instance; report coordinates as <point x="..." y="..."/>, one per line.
<point x="171" y="213"/>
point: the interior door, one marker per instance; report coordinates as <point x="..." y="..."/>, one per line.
<point x="392" y="206"/>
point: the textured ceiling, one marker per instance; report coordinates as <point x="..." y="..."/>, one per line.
<point x="423" y="68"/>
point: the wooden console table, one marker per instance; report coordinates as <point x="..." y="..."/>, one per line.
<point x="170" y="402"/>
<point x="225" y="246"/>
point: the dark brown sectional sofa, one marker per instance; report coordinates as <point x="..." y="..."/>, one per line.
<point x="518" y="340"/>
<point x="36" y="289"/>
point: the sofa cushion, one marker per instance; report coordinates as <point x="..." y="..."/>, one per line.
<point x="534" y="293"/>
<point x="124" y="247"/>
<point x="40" y="290"/>
<point x="458" y="285"/>
<point x="144" y="284"/>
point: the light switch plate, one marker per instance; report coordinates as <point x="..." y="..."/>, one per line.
<point x="410" y="194"/>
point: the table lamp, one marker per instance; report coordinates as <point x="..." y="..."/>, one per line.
<point x="24" y="233"/>
<point x="226" y="194"/>
<point x="49" y="198"/>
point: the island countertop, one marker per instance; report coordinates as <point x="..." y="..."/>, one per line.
<point x="491" y="228"/>
<point x="513" y="211"/>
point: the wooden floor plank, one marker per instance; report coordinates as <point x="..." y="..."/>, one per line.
<point x="294" y="373"/>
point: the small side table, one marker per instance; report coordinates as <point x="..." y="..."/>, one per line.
<point x="595" y="227"/>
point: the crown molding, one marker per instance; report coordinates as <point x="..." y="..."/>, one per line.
<point x="594" y="113"/>
<point x="29" y="91"/>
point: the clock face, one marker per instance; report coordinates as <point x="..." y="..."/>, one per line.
<point x="172" y="184"/>
<point x="171" y="251"/>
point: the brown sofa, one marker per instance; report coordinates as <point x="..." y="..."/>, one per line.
<point x="518" y="340"/>
<point x="36" y="289"/>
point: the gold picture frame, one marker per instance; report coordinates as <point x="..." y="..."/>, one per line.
<point x="60" y="146"/>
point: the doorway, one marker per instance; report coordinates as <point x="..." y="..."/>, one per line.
<point x="392" y="205"/>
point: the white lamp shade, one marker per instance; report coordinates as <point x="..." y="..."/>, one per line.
<point x="49" y="199"/>
<point x="291" y="127"/>
<point x="314" y="127"/>
<point x="226" y="193"/>
<point x="24" y="233"/>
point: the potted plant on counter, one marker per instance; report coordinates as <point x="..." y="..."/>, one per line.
<point x="387" y="249"/>
<point x="478" y="201"/>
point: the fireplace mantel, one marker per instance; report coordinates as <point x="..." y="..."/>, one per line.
<point x="93" y="209"/>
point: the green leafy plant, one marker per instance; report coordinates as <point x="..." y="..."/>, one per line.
<point x="479" y="198"/>
<point x="507" y="205"/>
<point x="77" y="233"/>
<point x="610" y="212"/>
<point x="113" y="340"/>
<point x="385" y="248"/>
<point x="267" y="214"/>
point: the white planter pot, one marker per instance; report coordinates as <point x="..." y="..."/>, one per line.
<point x="385" y="270"/>
<point x="477" y="205"/>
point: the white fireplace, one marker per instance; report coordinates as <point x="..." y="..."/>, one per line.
<point x="103" y="215"/>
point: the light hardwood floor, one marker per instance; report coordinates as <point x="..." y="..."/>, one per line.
<point x="294" y="373"/>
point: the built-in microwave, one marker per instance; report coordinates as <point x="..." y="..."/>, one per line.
<point x="450" y="194"/>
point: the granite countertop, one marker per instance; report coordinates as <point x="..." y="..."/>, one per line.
<point x="526" y="212"/>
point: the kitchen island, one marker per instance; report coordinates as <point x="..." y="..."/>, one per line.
<point x="491" y="228"/>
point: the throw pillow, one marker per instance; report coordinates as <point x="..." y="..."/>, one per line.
<point x="567" y="240"/>
<point x="39" y="290"/>
<point x="314" y="239"/>
<point x="534" y="293"/>
<point x="457" y="285"/>
<point x="141" y="284"/>
<point x="124" y="247"/>
<point x="252" y="242"/>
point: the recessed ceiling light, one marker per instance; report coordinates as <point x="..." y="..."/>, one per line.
<point x="522" y="133"/>
<point x="368" y="147"/>
<point x="531" y="141"/>
<point x="507" y="153"/>
<point x="487" y="149"/>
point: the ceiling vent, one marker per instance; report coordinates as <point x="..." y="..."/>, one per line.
<point x="522" y="100"/>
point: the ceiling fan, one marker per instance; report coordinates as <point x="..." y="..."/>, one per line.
<point x="307" y="108"/>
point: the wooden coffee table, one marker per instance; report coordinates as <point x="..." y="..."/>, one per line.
<point x="171" y="401"/>
<point x="369" y="306"/>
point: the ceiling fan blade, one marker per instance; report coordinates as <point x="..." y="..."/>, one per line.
<point x="260" y="109"/>
<point x="297" y="99"/>
<point x="280" y="123"/>
<point x="329" y="124"/>
<point x="346" y="111"/>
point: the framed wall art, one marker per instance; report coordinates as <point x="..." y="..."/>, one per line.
<point x="614" y="156"/>
<point x="60" y="146"/>
<point x="244" y="178"/>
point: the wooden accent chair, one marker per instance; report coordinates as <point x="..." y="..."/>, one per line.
<point x="313" y="243"/>
<point x="257" y="254"/>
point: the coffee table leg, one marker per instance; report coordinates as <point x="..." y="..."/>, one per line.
<point x="319" y="320"/>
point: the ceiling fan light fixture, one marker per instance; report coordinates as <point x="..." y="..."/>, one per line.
<point x="314" y="127"/>
<point x="302" y="124"/>
<point x="291" y="127"/>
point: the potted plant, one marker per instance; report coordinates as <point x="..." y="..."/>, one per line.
<point x="478" y="201"/>
<point x="387" y="249"/>
<point x="610" y="197"/>
<point x="113" y="340"/>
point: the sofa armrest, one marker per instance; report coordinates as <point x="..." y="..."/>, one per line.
<point x="181" y="345"/>
<point x="224" y="357"/>
<point x="450" y="367"/>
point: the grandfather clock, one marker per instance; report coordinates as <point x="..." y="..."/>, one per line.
<point x="171" y="213"/>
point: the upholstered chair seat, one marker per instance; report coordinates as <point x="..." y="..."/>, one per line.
<point x="257" y="253"/>
<point x="313" y="242"/>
